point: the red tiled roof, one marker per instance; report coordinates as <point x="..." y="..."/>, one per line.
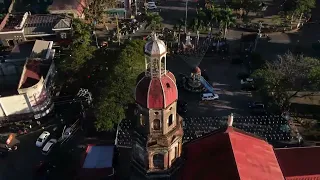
<point x="299" y="163"/>
<point x="156" y="93"/>
<point x="230" y="155"/>
<point x="68" y="4"/>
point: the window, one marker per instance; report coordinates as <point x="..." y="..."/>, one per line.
<point x="176" y="153"/>
<point x="158" y="161"/>
<point x="156" y="113"/>
<point x="170" y="120"/>
<point x="168" y="85"/>
<point x="142" y="120"/>
<point x="156" y="124"/>
<point x="63" y="35"/>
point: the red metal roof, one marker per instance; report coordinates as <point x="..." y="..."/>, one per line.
<point x="156" y="93"/>
<point x="299" y="163"/>
<point x="230" y="155"/>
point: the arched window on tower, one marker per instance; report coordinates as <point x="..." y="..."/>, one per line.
<point x="170" y="120"/>
<point x="163" y="64"/>
<point x="156" y="124"/>
<point x="158" y="161"/>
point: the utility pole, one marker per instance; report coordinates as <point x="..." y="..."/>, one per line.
<point x="185" y="21"/>
<point x="136" y="8"/>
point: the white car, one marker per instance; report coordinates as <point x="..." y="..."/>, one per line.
<point x="209" y="97"/>
<point x="48" y="147"/>
<point x="42" y="138"/>
<point x="246" y="81"/>
<point x="151" y="6"/>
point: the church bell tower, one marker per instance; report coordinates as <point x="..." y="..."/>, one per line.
<point x="158" y="134"/>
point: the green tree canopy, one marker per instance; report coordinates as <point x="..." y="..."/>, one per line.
<point x="283" y="79"/>
<point x="81" y="49"/>
<point x="246" y="5"/>
<point x="96" y="9"/>
<point x="154" y="21"/>
<point x="226" y="19"/>
<point x="112" y="104"/>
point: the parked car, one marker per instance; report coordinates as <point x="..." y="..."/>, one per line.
<point x="42" y="138"/>
<point x="209" y="97"/>
<point x="247" y="84"/>
<point x="257" y="108"/>
<point x="48" y="147"/>
<point x="151" y="5"/>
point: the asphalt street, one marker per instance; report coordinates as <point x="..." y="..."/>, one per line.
<point x="22" y="163"/>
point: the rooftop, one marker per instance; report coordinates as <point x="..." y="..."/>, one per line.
<point x="231" y="154"/>
<point x="300" y="163"/>
<point x="43" y="24"/>
<point x="22" y="50"/>
<point x="14" y="23"/>
<point x="98" y="162"/>
<point x="273" y="128"/>
<point x="34" y="69"/>
<point x="68" y="5"/>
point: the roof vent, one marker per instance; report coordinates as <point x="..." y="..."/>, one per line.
<point x="230" y="120"/>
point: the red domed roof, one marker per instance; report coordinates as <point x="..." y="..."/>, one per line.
<point x="156" y="93"/>
<point x="197" y="70"/>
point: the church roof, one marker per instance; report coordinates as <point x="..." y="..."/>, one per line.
<point x="300" y="163"/>
<point x="230" y="154"/>
<point x="272" y="128"/>
<point x="156" y="93"/>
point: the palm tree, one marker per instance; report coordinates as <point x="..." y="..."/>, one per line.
<point x="154" y="21"/>
<point x="226" y="19"/>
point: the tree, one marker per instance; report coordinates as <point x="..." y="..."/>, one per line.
<point x="245" y="6"/>
<point x="154" y="21"/>
<point x="226" y="19"/>
<point x="81" y="49"/>
<point x="281" y="80"/>
<point x="114" y="99"/>
<point x="298" y="8"/>
<point x="302" y="7"/>
<point x="96" y="9"/>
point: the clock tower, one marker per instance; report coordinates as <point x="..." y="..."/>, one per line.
<point x="158" y="133"/>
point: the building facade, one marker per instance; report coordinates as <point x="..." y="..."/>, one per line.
<point x="158" y="135"/>
<point x="32" y="98"/>
<point x="18" y="28"/>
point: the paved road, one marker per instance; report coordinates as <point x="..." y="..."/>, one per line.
<point x="21" y="164"/>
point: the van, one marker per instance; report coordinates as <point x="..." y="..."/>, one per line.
<point x="209" y="97"/>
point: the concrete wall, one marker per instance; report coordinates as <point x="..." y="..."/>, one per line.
<point x="16" y="36"/>
<point x="34" y="92"/>
<point x="17" y="104"/>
